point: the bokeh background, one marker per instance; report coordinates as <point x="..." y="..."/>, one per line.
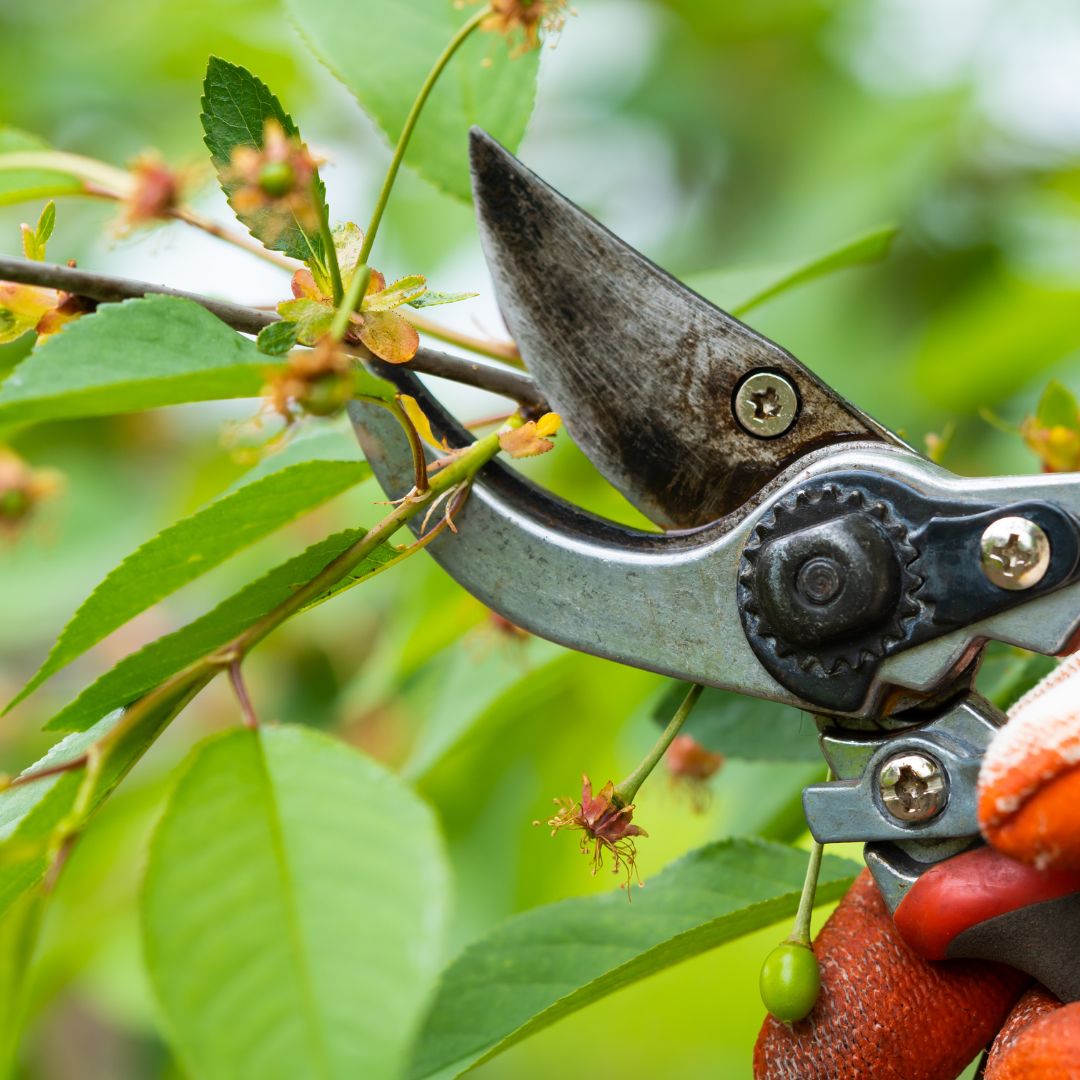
<point x="715" y="137"/>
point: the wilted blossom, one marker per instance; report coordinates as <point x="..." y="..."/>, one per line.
<point x="28" y="307"/>
<point x="604" y="824"/>
<point x="22" y="488"/>
<point x="526" y="20"/>
<point x="318" y="381"/>
<point x="155" y="193"/>
<point x="691" y="766"/>
<point x="276" y="179"/>
<point x="531" y="438"/>
<point x="1053" y="433"/>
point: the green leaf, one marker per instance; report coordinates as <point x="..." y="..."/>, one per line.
<point x="31" y="813"/>
<point x="34" y="240"/>
<point x="141" y="354"/>
<point x="384" y="65"/>
<point x="1058" y="407"/>
<point x="311" y="319"/>
<point x="400" y="292"/>
<point x="291" y="862"/>
<point x="434" y="299"/>
<point x="151" y="665"/>
<point x="235" y="108"/>
<point x="193" y="546"/>
<point x="46" y="224"/>
<point x="474" y="693"/>
<point x="1008" y="673"/>
<point x="18" y="941"/>
<point x="991" y="341"/>
<point x="739" y="291"/>
<point x="741" y="727"/>
<point x="21" y="185"/>
<point x="278" y="338"/>
<point x="542" y="965"/>
<point x="348" y="243"/>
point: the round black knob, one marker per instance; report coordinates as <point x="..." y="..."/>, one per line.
<point x="836" y="579"/>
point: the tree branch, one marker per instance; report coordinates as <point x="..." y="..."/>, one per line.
<point x="497" y="378"/>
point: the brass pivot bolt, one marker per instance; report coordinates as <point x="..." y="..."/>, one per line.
<point x="766" y="404"/>
<point x="1014" y="553"/>
<point x="913" y="786"/>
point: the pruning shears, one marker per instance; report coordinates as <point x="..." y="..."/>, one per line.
<point x="809" y="556"/>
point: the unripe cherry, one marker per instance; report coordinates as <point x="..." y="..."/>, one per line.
<point x="790" y="981"/>
<point x="276" y="178"/>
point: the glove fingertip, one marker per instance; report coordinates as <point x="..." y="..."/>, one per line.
<point x="1040" y="1039"/>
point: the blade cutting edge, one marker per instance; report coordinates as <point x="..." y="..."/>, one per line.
<point x="642" y="369"/>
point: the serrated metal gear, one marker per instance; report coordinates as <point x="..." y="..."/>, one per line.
<point x="808" y="507"/>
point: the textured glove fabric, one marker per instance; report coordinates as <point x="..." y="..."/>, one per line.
<point x="884" y="1012"/>
<point x="1040" y="1041"/>
<point x="1029" y="784"/>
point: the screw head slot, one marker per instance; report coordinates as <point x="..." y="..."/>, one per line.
<point x="1014" y="553"/>
<point x="766" y="404"/>
<point x="913" y="787"/>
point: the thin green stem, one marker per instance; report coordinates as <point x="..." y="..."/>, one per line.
<point x="420" y="472"/>
<point x="800" y="932"/>
<point x="410" y="123"/>
<point x="329" y="250"/>
<point x="117" y="182"/>
<point x="175" y="692"/>
<point x="358" y="284"/>
<point x="462" y="468"/>
<point x="625" y="792"/>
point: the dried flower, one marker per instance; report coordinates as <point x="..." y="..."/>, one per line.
<point x="691" y="766"/>
<point x="504" y="627"/>
<point x="276" y="179"/>
<point x="155" y="193"/>
<point x="318" y="381"/>
<point x="605" y="824"/>
<point x="526" y="20"/>
<point x="27" y="307"/>
<point x="1054" y="431"/>
<point x="22" y="488"/>
<point x="531" y="438"/>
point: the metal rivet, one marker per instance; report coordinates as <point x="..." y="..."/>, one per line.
<point x="820" y="580"/>
<point x="1014" y="553"/>
<point x="766" y="404"/>
<point x="913" y="787"/>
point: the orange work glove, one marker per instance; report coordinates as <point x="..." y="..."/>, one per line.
<point x="885" y="1011"/>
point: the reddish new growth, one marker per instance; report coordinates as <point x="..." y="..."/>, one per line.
<point x="603" y="822"/>
<point x="277" y="179"/>
<point x="691" y="767"/>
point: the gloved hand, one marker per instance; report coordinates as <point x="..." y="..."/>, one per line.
<point x="888" y="1014"/>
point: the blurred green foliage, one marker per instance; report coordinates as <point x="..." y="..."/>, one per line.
<point x="716" y="136"/>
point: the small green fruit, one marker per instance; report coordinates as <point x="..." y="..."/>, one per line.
<point x="790" y="981"/>
<point x="276" y="178"/>
<point x="327" y="395"/>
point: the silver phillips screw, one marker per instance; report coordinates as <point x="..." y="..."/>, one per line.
<point x="913" y="787"/>
<point x="766" y="404"/>
<point x="1014" y="553"/>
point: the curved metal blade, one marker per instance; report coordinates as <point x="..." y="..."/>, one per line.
<point x="642" y="369"/>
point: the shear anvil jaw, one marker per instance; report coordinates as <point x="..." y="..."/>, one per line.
<point x="855" y="807"/>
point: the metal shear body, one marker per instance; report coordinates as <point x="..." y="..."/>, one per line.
<point x="811" y="557"/>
